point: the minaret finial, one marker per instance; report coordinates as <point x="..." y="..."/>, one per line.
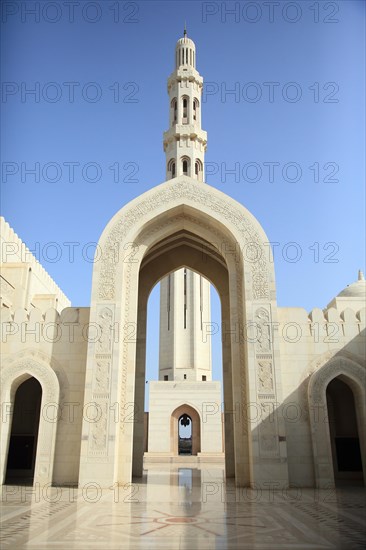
<point x="360" y="275"/>
<point x="185" y="28"/>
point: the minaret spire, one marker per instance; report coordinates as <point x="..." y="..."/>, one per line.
<point x="185" y="141"/>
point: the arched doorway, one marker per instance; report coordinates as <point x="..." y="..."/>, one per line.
<point x="324" y="396"/>
<point x="343" y="431"/>
<point x="185" y="435"/>
<point x="22" y="451"/>
<point x="19" y="369"/>
<point x="182" y="443"/>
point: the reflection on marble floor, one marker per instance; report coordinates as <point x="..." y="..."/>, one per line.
<point x="182" y="507"/>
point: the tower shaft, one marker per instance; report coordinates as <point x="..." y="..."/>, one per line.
<point x="185" y="350"/>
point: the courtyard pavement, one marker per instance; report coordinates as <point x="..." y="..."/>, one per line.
<point x="182" y="507"/>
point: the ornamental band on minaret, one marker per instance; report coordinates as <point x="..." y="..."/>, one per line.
<point x="184" y="295"/>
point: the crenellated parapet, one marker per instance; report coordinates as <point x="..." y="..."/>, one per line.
<point x="24" y="283"/>
<point x="36" y="327"/>
<point x="329" y="325"/>
<point x="346" y="323"/>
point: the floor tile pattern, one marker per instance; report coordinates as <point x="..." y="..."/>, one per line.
<point x="178" y="507"/>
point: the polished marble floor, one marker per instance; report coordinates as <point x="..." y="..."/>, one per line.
<point x="181" y="506"/>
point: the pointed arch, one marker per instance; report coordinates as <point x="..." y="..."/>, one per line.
<point x="196" y="111"/>
<point x="12" y="376"/>
<point x="172" y="170"/>
<point x="185" y="166"/>
<point x="194" y="415"/>
<point x="198" y="170"/>
<point x="185" y="109"/>
<point x="354" y="375"/>
<point x="173" y="111"/>
<point x="177" y="224"/>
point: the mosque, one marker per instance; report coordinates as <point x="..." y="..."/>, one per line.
<point x="73" y="378"/>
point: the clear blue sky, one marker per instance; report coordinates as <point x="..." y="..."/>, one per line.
<point x="313" y="51"/>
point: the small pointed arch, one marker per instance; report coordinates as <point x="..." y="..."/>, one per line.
<point x="173" y="111"/>
<point x="196" y="106"/>
<point x="185" y="109"/>
<point x="171" y="169"/>
<point x="198" y="170"/>
<point x="186" y="166"/>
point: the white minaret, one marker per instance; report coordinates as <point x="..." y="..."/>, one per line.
<point x="185" y="384"/>
<point x="184" y="295"/>
<point x="185" y="141"/>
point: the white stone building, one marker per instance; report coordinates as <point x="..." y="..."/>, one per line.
<point x="293" y="382"/>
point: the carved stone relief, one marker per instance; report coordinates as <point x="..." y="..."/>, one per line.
<point x="201" y="196"/>
<point x="99" y="408"/>
<point x="265" y="377"/>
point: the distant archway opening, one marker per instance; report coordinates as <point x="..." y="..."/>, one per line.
<point x="24" y="433"/>
<point x="185" y="431"/>
<point x="344" y="436"/>
<point x="185" y="435"/>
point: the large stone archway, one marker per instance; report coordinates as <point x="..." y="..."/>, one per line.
<point x="355" y="376"/>
<point x="138" y="247"/>
<point x="13" y="375"/>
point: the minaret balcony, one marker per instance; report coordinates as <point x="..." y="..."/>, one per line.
<point x="185" y="130"/>
<point x="185" y="74"/>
